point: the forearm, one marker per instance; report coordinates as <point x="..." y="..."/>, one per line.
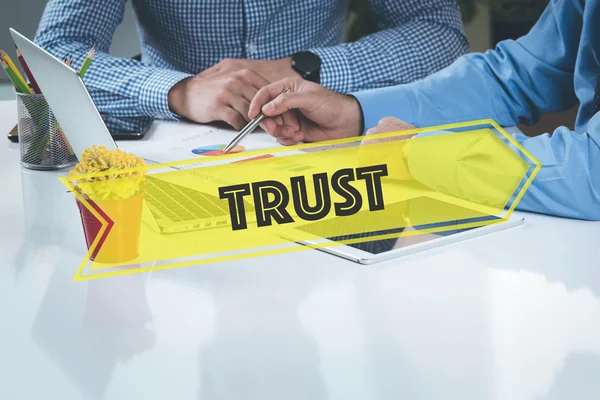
<point x="120" y="87"/>
<point x="476" y="86"/>
<point x="568" y="183"/>
<point x="515" y="83"/>
<point x="418" y="38"/>
<point x="474" y="168"/>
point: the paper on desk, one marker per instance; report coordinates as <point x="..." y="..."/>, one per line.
<point x="170" y="142"/>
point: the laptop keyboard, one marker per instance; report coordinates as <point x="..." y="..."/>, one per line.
<point x="179" y="203"/>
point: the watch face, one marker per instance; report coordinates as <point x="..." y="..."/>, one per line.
<point x="307" y="64"/>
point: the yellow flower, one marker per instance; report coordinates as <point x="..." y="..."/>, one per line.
<point x="114" y="183"/>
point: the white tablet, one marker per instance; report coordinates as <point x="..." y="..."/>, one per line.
<point x="403" y="240"/>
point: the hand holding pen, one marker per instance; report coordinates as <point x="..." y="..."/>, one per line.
<point x="307" y="113"/>
<point x="252" y="125"/>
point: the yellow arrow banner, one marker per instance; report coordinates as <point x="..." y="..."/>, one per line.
<point x="264" y="202"/>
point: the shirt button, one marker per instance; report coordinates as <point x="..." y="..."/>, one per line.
<point x="251" y="48"/>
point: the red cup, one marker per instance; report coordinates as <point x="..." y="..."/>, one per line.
<point x="120" y="241"/>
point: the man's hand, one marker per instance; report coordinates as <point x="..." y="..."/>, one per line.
<point x="216" y="97"/>
<point x="389" y="124"/>
<point x="308" y="113"/>
<point x="393" y="156"/>
<point x="271" y="70"/>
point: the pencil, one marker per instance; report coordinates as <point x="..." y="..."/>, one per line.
<point x="87" y="62"/>
<point x="69" y="61"/>
<point x="18" y="84"/>
<point x="34" y="84"/>
<point x="4" y="65"/>
<point x="15" y="71"/>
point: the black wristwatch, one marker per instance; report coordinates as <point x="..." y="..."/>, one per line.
<point x="308" y="65"/>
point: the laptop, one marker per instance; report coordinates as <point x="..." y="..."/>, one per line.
<point x="175" y="207"/>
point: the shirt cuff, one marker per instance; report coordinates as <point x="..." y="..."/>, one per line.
<point x="385" y="102"/>
<point x="336" y="73"/>
<point x="441" y="174"/>
<point x="154" y="91"/>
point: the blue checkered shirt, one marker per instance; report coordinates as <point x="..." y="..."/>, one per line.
<point x="180" y="38"/>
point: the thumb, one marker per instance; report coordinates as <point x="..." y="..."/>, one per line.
<point x="288" y="101"/>
<point x="269" y="92"/>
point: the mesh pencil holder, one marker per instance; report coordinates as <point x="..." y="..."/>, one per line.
<point x="42" y="142"/>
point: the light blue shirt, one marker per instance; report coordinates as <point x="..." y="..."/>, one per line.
<point x="552" y="68"/>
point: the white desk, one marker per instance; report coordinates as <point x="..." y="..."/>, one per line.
<point x="514" y="315"/>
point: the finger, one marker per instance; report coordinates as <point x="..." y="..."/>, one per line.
<point x="253" y="82"/>
<point x="284" y="132"/>
<point x="272" y="124"/>
<point x="288" y="134"/>
<point x="240" y="105"/>
<point x="373" y="131"/>
<point x="269" y="125"/>
<point x="275" y="120"/>
<point x="299" y="136"/>
<point x="244" y="83"/>
<point x="289" y="101"/>
<point x="386" y="127"/>
<point x="268" y="93"/>
<point x="391" y="124"/>
<point x="290" y="118"/>
<point x="382" y="127"/>
<point x="396" y="123"/>
<point x="232" y="117"/>
<point x="389" y="120"/>
<point x="287" y="141"/>
<point x="246" y="90"/>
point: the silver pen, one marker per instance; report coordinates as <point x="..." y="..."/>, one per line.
<point x="247" y="129"/>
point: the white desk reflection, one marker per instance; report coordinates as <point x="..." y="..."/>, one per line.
<point x="514" y="315"/>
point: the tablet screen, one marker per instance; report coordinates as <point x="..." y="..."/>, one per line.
<point x="413" y="207"/>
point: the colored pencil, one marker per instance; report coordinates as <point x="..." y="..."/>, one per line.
<point x="4" y="65"/>
<point x="32" y="81"/>
<point x="87" y="61"/>
<point x="19" y="86"/>
<point x="12" y="67"/>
